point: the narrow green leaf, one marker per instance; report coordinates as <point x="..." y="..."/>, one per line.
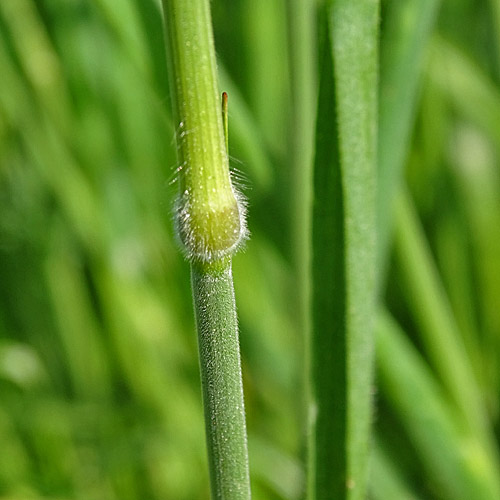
<point x="265" y="51"/>
<point x="406" y="30"/>
<point x="452" y="456"/>
<point x="303" y="89"/>
<point x="343" y="252"/>
<point x="478" y="180"/>
<point x="438" y="331"/>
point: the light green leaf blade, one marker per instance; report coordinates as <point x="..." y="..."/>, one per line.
<point x="407" y="27"/>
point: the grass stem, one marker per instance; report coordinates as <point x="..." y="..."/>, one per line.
<point x="210" y="223"/>
<point x="217" y="326"/>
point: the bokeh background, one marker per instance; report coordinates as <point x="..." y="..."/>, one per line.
<point x="99" y="386"/>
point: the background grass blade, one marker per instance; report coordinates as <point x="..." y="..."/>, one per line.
<point x="407" y="28"/>
<point x="302" y="53"/>
<point x="386" y="480"/>
<point x="440" y="334"/>
<point x="343" y="243"/>
<point x="449" y="453"/>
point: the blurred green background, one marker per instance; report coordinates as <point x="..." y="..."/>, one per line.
<point x="99" y="387"/>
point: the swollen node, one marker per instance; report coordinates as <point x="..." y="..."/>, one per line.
<point x="210" y="231"/>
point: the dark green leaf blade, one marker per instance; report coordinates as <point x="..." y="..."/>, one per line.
<point x="343" y="288"/>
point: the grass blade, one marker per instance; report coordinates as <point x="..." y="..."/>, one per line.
<point x="303" y="84"/>
<point x="456" y="75"/>
<point x="407" y="27"/>
<point x="451" y="455"/>
<point x="343" y="252"/>
<point x="439" y="332"/>
<point x="386" y="481"/>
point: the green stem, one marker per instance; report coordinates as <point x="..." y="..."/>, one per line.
<point x="221" y="380"/>
<point x="211" y="223"/>
<point x="209" y="212"/>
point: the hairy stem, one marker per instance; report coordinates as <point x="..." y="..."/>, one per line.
<point x="221" y="380"/>
<point x="211" y="223"/>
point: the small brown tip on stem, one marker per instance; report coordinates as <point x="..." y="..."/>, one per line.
<point x="225" y="120"/>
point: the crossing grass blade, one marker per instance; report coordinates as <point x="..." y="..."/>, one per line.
<point x="435" y="427"/>
<point x="439" y="333"/>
